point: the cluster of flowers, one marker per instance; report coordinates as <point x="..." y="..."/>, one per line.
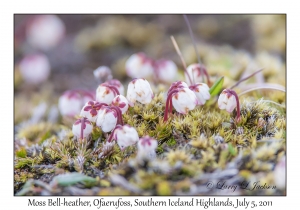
<point x="106" y="112"/>
<point x="110" y="103"/>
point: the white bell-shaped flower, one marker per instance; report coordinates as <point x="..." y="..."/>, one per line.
<point x="107" y="118"/>
<point x="87" y="96"/>
<point x="90" y="110"/>
<point x="70" y="103"/>
<point x="194" y="71"/>
<point x="146" y="148"/>
<point x="35" y="68"/>
<point x="201" y="91"/>
<point x="184" y="100"/>
<point x="105" y="93"/>
<point x="45" y="31"/>
<point x="125" y="136"/>
<point x="139" y="66"/>
<point x="121" y="102"/>
<point x="166" y="70"/>
<point x="139" y="90"/>
<point x="82" y="128"/>
<point x="227" y="101"/>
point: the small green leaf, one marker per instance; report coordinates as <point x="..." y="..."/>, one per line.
<point x="217" y="87"/>
<point x="73" y="178"/>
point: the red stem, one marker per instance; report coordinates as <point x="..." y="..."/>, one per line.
<point x="207" y="76"/>
<point x="237" y="104"/>
<point x="169" y="104"/>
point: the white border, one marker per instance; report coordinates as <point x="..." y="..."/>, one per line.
<point x="8" y="201"/>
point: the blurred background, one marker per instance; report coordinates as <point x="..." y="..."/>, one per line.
<point x="55" y="53"/>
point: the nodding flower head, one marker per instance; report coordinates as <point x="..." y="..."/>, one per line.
<point x="146" y="148"/>
<point x="90" y="110"/>
<point x="108" y="117"/>
<point x="70" y="103"/>
<point x="116" y="83"/>
<point x="139" y="90"/>
<point x="44" y="32"/>
<point x="82" y="128"/>
<point x="124" y="135"/>
<point x="102" y="74"/>
<point x="106" y="92"/>
<point x="121" y="102"/>
<point x="35" y="68"/>
<point x="184" y="100"/>
<point x="195" y="70"/>
<point x="228" y="100"/>
<point x="177" y="85"/>
<point x="201" y="91"/>
<point x="139" y="66"/>
<point x="166" y="70"/>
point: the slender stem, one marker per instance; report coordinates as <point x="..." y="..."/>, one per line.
<point x="237" y="104"/>
<point x="181" y="58"/>
<point x="206" y="74"/>
<point x="169" y="104"/>
<point x="110" y="138"/>
<point x="262" y="87"/>
<point x="244" y="79"/>
<point x="194" y="43"/>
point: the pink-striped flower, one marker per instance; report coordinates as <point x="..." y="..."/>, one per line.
<point x="146" y="148"/>
<point x="139" y="90"/>
<point x="121" y="102"/>
<point x="228" y="100"/>
<point x="116" y="83"/>
<point x="201" y="91"/>
<point x="194" y="71"/>
<point x="184" y="100"/>
<point x="109" y="117"/>
<point x="139" y="66"/>
<point x="82" y="128"/>
<point x="125" y="136"/>
<point x="90" y="110"/>
<point x="105" y="93"/>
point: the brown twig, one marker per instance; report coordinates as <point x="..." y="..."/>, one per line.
<point x="181" y="58"/>
<point x="244" y="79"/>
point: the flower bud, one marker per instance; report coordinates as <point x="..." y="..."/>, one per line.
<point x="70" y="103"/>
<point x="146" y="148"/>
<point x="195" y="70"/>
<point x="139" y="90"/>
<point x="105" y="93"/>
<point x="184" y="100"/>
<point x="227" y="101"/>
<point x="35" y="68"/>
<point x="102" y="74"/>
<point x="139" y="66"/>
<point x="201" y="91"/>
<point x="107" y="118"/>
<point x="121" y="102"/>
<point x="90" y="110"/>
<point x="166" y="70"/>
<point x="45" y="31"/>
<point x="125" y="136"/>
<point x="116" y="83"/>
<point x="87" y="96"/>
<point x="82" y="128"/>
